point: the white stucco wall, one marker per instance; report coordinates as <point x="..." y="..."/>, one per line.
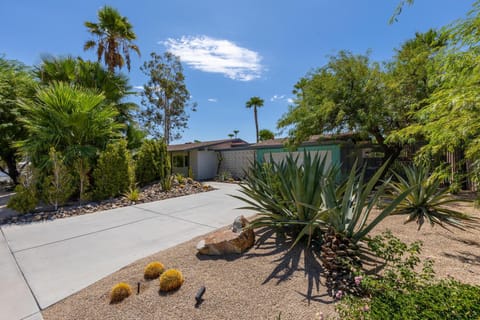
<point x="206" y="164"/>
<point x="236" y="162"/>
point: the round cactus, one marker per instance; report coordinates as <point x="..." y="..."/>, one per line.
<point x="153" y="270"/>
<point x="119" y="292"/>
<point x="170" y="280"/>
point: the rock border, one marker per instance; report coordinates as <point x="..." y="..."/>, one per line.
<point x="149" y="193"/>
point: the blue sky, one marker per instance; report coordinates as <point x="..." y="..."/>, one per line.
<point x="231" y="50"/>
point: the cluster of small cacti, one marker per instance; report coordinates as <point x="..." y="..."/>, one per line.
<point x="153" y="270"/>
<point x="170" y="280"/>
<point x="119" y="292"/>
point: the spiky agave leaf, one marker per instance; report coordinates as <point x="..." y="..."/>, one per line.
<point x="288" y="194"/>
<point x="426" y="200"/>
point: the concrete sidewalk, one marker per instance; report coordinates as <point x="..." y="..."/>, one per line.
<point x="47" y="261"/>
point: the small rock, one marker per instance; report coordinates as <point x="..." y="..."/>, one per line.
<point x="37" y="217"/>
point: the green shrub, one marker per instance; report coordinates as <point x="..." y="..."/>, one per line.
<point x="133" y="194"/>
<point x="58" y="185"/>
<point x="152" y="162"/>
<point x="25" y="199"/>
<point x="113" y="174"/>
<point x="167" y="183"/>
<point x="180" y="178"/>
<point x="407" y="289"/>
<point x="445" y="299"/>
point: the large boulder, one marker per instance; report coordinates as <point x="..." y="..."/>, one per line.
<point x="234" y="240"/>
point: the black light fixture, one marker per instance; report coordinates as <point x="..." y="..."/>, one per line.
<point x="199" y="295"/>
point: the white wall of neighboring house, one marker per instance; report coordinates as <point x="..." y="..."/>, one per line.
<point x="206" y="165"/>
<point x="236" y="162"/>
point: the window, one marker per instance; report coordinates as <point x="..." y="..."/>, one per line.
<point x="180" y="161"/>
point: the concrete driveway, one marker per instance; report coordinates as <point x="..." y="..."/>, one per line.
<point x="42" y="263"/>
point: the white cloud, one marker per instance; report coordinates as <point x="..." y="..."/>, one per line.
<point x="277" y="97"/>
<point x="138" y="87"/>
<point x="212" y="100"/>
<point x="281" y="98"/>
<point x="217" y="56"/>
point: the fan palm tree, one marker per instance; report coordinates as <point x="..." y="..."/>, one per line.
<point x="92" y="75"/>
<point x="114" y="36"/>
<point x="75" y="121"/>
<point x="255" y="102"/>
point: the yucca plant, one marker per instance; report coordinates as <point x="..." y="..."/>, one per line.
<point x="345" y="215"/>
<point x="426" y="200"/>
<point x="287" y="195"/>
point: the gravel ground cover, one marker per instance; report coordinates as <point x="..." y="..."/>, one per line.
<point x="266" y="281"/>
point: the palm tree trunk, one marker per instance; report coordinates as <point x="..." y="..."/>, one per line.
<point x="256" y="120"/>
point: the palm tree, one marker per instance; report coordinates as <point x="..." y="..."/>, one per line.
<point x="235" y="132"/>
<point x="114" y="36"/>
<point x="91" y="75"/>
<point x="230" y="135"/>
<point x="255" y="102"/>
<point x="73" y="120"/>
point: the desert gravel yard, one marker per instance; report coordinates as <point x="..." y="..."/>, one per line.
<point x="260" y="284"/>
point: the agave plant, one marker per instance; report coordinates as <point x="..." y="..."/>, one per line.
<point x="345" y="214"/>
<point x="426" y="200"/>
<point x="287" y="195"/>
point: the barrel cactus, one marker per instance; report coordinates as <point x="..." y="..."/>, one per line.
<point x="153" y="270"/>
<point x="119" y="292"/>
<point x="170" y="280"/>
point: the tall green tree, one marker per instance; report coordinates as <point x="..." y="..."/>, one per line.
<point x="165" y="97"/>
<point x="75" y="121"/>
<point x="92" y="75"/>
<point x="114" y="38"/>
<point x="255" y="102"/>
<point x="347" y="94"/>
<point x="266" y="134"/>
<point x="450" y="118"/>
<point x="16" y="83"/>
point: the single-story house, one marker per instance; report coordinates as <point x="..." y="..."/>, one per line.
<point x="205" y="160"/>
<point x="201" y="160"/>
